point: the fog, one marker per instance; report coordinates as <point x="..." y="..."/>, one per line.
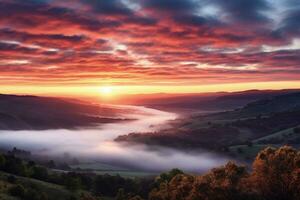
<point x="97" y="145"/>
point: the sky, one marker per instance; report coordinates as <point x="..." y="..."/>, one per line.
<point x="84" y="47"/>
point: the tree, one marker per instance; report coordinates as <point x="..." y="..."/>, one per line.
<point x="179" y="187"/>
<point x="136" y="198"/>
<point x="51" y="164"/>
<point x="240" y="150"/>
<point x="221" y="183"/>
<point x="32" y="195"/>
<point x="249" y="143"/>
<point x="166" y="177"/>
<point x="121" y="195"/>
<point x="40" y="173"/>
<point x="297" y="130"/>
<point x="15" y="166"/>
<point x="11" y="179"/>
<point x="72" y="183"/>
<point x="2" y="161"/>
<point x="87" y="197"/>
<point x="276" y="174"/>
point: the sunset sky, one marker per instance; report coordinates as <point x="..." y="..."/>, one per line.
<point x="84" y="47"/>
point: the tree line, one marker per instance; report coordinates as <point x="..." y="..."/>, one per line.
<point x="275" y="175"/>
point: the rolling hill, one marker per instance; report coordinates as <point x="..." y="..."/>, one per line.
<point x="202" y="102"/>
<point x="243" y="126"/>
<point x="39" y="113"/>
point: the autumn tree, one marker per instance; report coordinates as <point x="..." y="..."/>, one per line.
<point x="172" y="186"/>
<point x="221" y="183"/>
<point x="276" y="174"/>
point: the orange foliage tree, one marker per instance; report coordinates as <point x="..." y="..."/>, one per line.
<point x="275" y="176"/>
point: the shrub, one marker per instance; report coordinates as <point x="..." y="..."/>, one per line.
<point x="17" y="191"/>
<point x="11" y="179"/>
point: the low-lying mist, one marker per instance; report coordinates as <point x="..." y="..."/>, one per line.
<point x="97" y="145"/>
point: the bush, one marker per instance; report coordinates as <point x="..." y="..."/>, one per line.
<point x="40" y="173"/>
<point x="32" y="195"/>
<point x="12" y="179"/>
<point x="17" y="191"/>
<point x="72" y="183"/>
<point x="2" y="161"/>
<point x="297" y="130"/>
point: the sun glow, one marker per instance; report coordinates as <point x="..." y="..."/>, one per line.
<point x="106" y="90"/>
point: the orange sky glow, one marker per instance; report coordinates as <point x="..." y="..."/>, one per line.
<point x="115" y="91"/>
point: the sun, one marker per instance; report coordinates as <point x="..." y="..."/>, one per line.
<point x="106" y="90"/>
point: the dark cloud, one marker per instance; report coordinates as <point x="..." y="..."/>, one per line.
<point x="178" y="6"/>
<point x="244" y="10"/>
<point x="291" y="24"/>
<point x="31" y="15"/>
<point x="145" y="21"/>
<point x="114" y="7"/>
<point x="23" y="36"/>
<point x="195" y="20"/>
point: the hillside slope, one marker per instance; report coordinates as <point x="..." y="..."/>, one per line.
<point x="38" y="113"/>
<point x="205" y="102"/>
<point x="222" y="130"/>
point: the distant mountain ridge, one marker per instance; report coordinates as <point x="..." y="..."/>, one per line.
<point x="275" y="104"/>
<point x="218" y="101"/>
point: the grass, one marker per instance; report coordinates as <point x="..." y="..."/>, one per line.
<point x="97" y="166"/>
<point x="249" y="152"/>
<point x="246" y="152"/>
<point x="54" y="191"/>
<point x="7" y="197"/>
<point x="280" y="135"/>
<point x="4" y="187"/>
<point x="127" y="174"/>
<point x="101" y="169"/>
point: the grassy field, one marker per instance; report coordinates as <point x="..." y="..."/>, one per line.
<point x="97" y="166"/>
<point x="246" y="152"/>
<point x="250" y="151"/>
<point x="54" y="191"/>
<point x="127" y="174"/>
<point x="101" y="169"/>
<point x="280" y="135"/>
<point x="4" y="188"/>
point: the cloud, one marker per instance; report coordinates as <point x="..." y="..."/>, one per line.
<point x="249" y="11"/>
<point x="149" y="42"/>
<point x="113" y="7"/>
<point x="178" y="6"/>
<point x="291" y="23"/>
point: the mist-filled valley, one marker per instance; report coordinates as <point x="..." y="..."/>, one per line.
<point x="126" y="138"/>
<point x="96" y="145"/>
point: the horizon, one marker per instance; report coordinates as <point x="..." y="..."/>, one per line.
<point x="115" y="92"/>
